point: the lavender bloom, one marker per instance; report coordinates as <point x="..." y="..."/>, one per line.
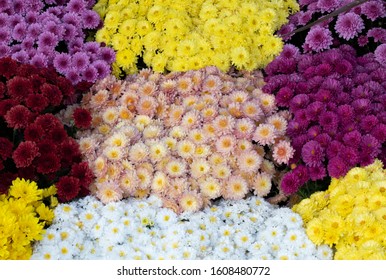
<point x="90" y="19"/>
<point x="318" y="39"/>
<point x="107" y="55"/>
<point x="380" y="54"/>
<point x="373" y="10"/>
<point x="102" y="67"/>
<point x="75" y="6"/>
<point x="21" y="56"/>
<point x="5" y="50"/>
<point x="20" y="31"/>
<point x="39" y="60"/>
<point x="349" y="25"/>
<point x="327" y="5"/>
<point x="5" y="34"/>
<point x="90" y="74"/>
<point x="62" y="62"/>
<point x="47" y="40"/>
<point x="378" y="34"/>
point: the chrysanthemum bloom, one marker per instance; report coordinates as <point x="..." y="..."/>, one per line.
<point x="337" y="167"/>
<point x="25" y="153"/>
<point x="211" y="188"/>
<point x="373" y="10"/>
<point x="264" y="134"/>
<point x="380" y="54"/>
<point x="327" y="5"/>
<point x="262" y="184"/>
<point x="190" y="202"/>
<point x="236" y="188"/>
<point x="349" y="25"/>
<point x="18" y="117"/>
<point x="313" y="153"/>
<point x="290" y="183"/>
<point x="249" y="161"/>
<point x="318" y="39"/>
<point x="109" y="192"/>
<point x="82" y="118"/>
<point x="68" y="188"/>
<point x="225" y="144"/>
<point x="282" y="152"/>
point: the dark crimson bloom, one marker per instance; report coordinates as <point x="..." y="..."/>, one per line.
<point x="25" y="153"/>
<point x="34" y="133"/>
<point x="82" y="118"/>
<point x="6" y="179"/>
<point x="18" y="117"/>
<point x="52" y="93"/>
<point x="68" y="188"/>
<point x="5" y="148"/>
<point x="37" y="102"/>
<point x="48" y="163"/>
<point x="8" y="67"/>
<point x="57" y="135"/>
<point x="69" y="151"/>
<point x="83" y="172"/>
<point x="2" y="89"/>
<point x="19" y="88"/>
<point x="48" y="122"/>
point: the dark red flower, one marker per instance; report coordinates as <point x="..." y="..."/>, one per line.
<point x="37" y="81"/>
<point x="65" y="86"/>
<point x="67" y="188"/>
<point x="26" y="70"/>
<point x="34" y="133"/>
<point x="83" y="172"/>
<point x="6" y="105"/>
<point x="69" y="151"/>
<point x="48" y="163"/>
<point x="2" y="89"/>
<point x="18" y="117"/>
<point x="37" y="102"/>
<point x="5" y="148"/>
<point x="48" y="122"/>
<point x="19" y="88"/>
<point x="28" y="173"/>
<point x="25" y="153"/>
<point x="8" y="67"/>
<point x="52" y="93"/>
<point x="47" y="146"/>
<point x="82" y="118"/>
<point x="57" y="135"/>
<point x="49" y="74"/>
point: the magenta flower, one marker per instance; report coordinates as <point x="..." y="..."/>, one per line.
<point x="290" y="183"/>
<point x="380" y="54"/>
<point x="318" y="39"/>
<point x="313" y="153"/>
<point x="349" y="25"/>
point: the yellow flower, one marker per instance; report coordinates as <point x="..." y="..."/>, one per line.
<point x="240" y="57"/>
<point x="45" y="213"/>
<point x="25" y="190"/>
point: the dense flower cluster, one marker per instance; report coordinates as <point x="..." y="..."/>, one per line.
<point x="141" y="229"/>
<point x="34" y="144"/>
<point x="53" y="33"/>
<point x="189" y="137"/>
<point x="351" y="215"/>
<point x="338" y="105"/>
<point x="189" y="35"/>
<point x="362" y="26"/>
<point x="24" y="213"/>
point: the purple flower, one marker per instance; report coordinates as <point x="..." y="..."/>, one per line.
<point x="367" y="123"/>
<point x="327" y="5"/>
<point x="304" y="17"/>
<point x="102" y="67"/>
<point x="5" y="34"/>
<point x="349" y="25"/>
<point x="39" y="60"/>
<point x="107" y="54"/>
<point x="301" y="172"/>
<point x="324" y="69"/>
<point x="370" y="145"/>
<point x="75" y="6"/>
<point x="363" y="40"/>
<point x="73" y="76"/>
<point x="350" y="155"/>
<point x="352" y="138"/>
<point x="380" y="54"/>
<point x="337" y="167"/>
<point x="334" y="148"/>
<point x="47" y="40"/>
<point x="69" y="32"/>
<point x="72" y="18"/>
<point x="343" y="67"/>
<point x="317" y="172"/>
<point x="329" y="121"/>
<point x="62" y="62"/>
<point x="312" y="153"/>
<point x="373" y="10"/>
<point x="378" y="34"/>
<point x="20" y="31"/>
<point x="90" y="19"/>
<point x="300" y="101"/>
<point x="323" y="95"/>
<point x="318" y="39"/>
<point x="5" y="50"/>
<point x="361" y="106"/>
<point x="314" y="131"/>
<point x="323" y="139"/>
<point x="21" y="56"/>
<point x="290" y="183"/>
<point x="80" y="61"/>
<point x="314" y="109"/>
<point x="379" y="132"/>
<point x="31" y="17"/>
<point x="90" y="74"/>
